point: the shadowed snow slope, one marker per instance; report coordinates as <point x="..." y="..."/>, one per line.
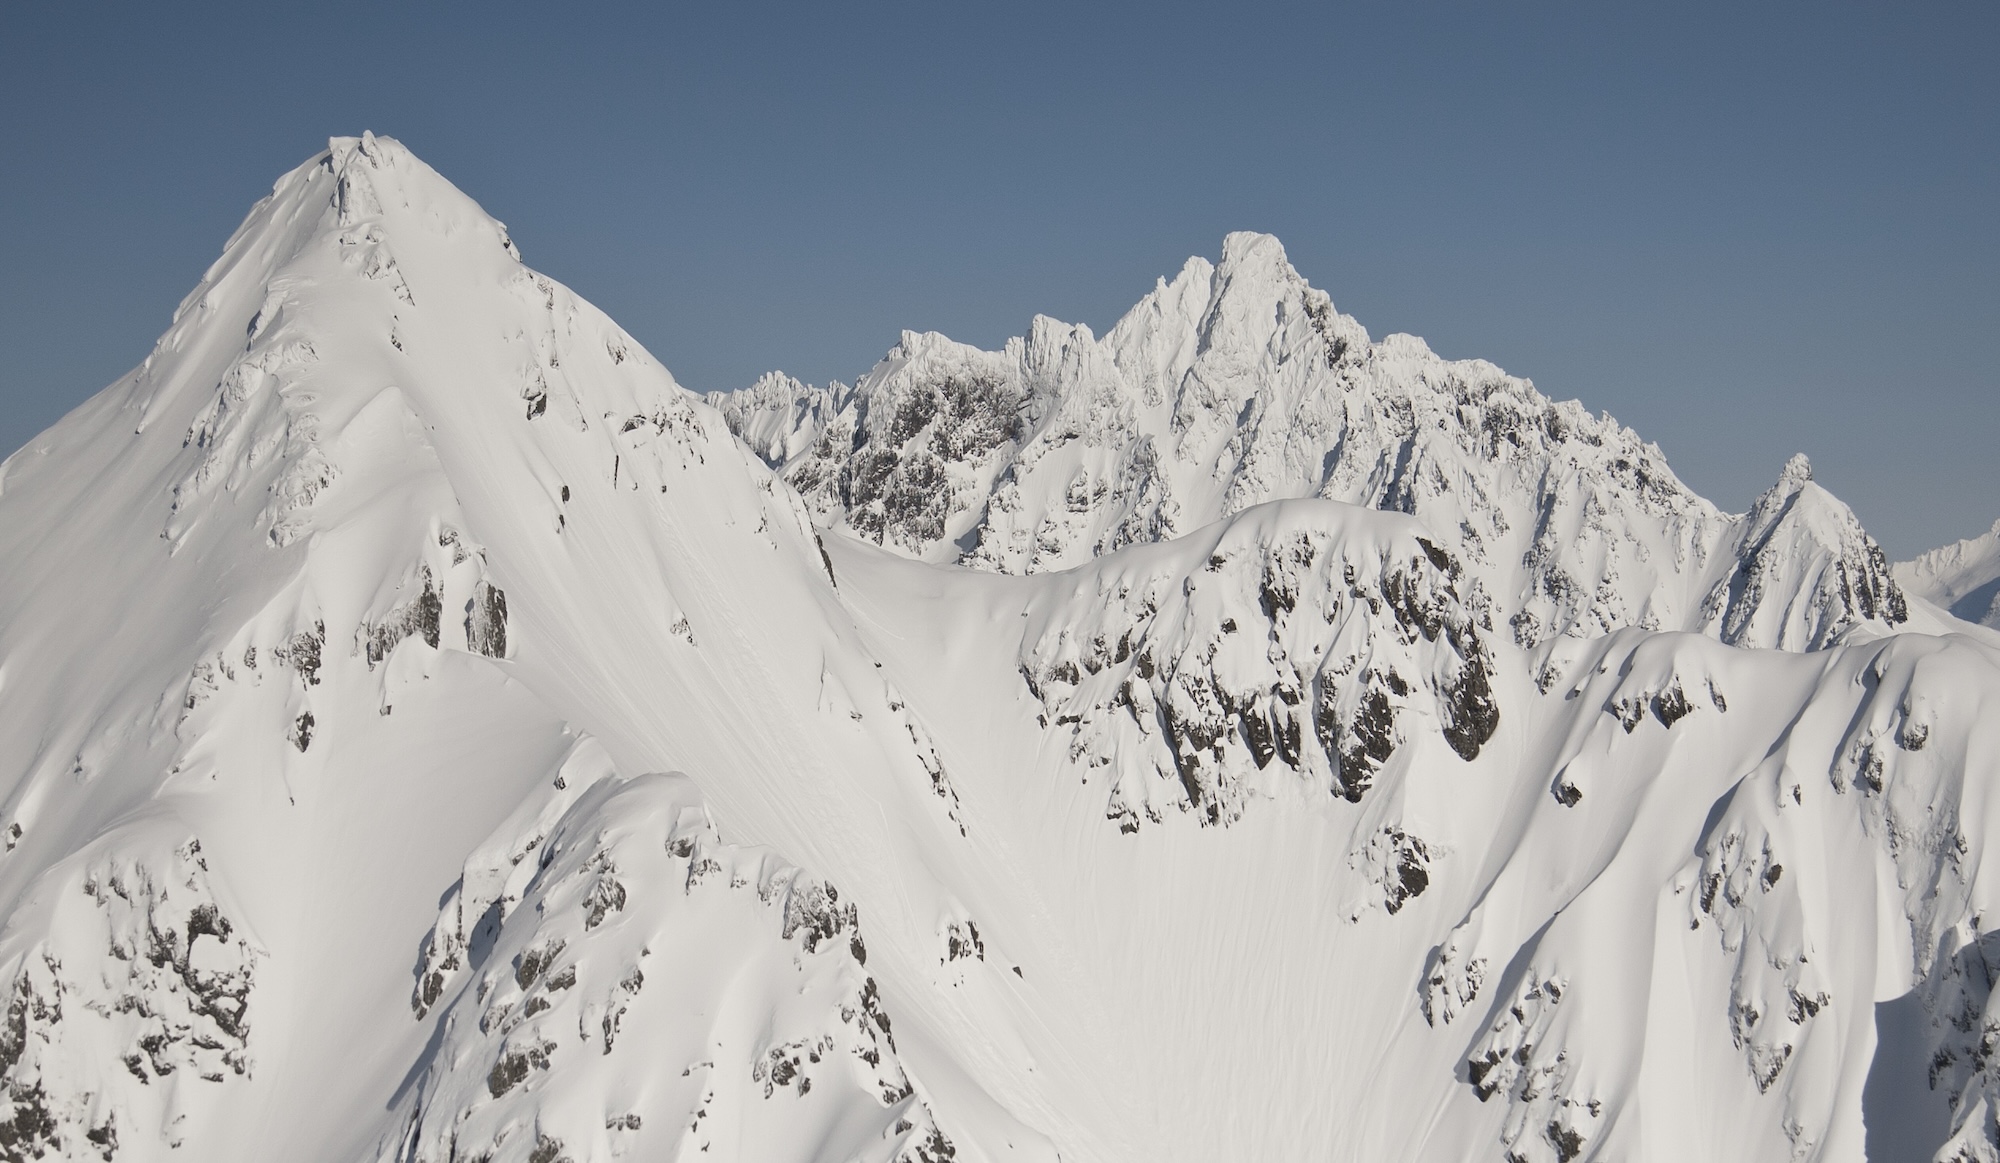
<point x="429" y="734"/>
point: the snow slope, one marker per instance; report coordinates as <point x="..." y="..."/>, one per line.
<point x="427" y="733"/>
<point x="1570" y="944"/>
<point x="1963" y="577"/>
<point x="1236" y="383"/>
<point x="324" y="586"/>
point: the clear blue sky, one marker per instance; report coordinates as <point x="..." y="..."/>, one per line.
<point x="1743" y="232"/>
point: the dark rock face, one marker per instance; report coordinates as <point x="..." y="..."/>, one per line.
<point x="1412" y="870"/>
<point x="148" y="963"/>
<point x="892" y="478"/>
<point x="420" y="615"/>
<point x="302" y="653"/>
<point x="1523" y="1060"/>
<point x="1215" y="680"/>
<point x="962" y="941"/>
<point x="1740" y="889"/>
<point x="1668" y="704"/>
<point x="514" y="1065"/>
<point x="486" y="621"/>
<point x="901" y="457"/>
<point x="813" y="913"/>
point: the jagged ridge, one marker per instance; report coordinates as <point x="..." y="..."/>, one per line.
<point x="396" y="561"/>
<point x="1237" y="383"/>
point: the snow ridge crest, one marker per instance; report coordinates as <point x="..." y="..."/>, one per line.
<point x="1238" y="382"/>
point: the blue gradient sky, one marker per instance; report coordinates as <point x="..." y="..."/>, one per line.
<point x="1743" y="233"/>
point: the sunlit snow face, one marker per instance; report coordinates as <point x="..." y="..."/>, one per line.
<point x="343" y="642"/>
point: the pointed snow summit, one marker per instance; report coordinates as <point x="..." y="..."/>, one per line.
<point x="1804" y="570"/>
<point x="1238" y="383"/>
<point x="301" y="620"/>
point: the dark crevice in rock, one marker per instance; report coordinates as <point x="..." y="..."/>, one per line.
<point x="486" y="621"/>
<point x="421" y="616"/>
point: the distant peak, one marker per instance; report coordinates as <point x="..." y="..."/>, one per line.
<point x="1254" y="257"/>
<point x="375" y="149"/>
<point x="1783" y="497"/>
<point x="1239" y="246"/>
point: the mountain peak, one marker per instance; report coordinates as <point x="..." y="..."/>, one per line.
<point x="1805" y="570"/>
<point x="1251" y="252"/>
<point x="352" y="197"/>
<point x="370" y="148"/>
<point x="373" y="465"/>
<point x="1238" y="383"/>
<point x="336" y="642"/>
<point x="394" y="177"/>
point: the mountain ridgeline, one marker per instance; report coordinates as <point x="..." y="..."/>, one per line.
<point x="1238" y="383"/>
<point x="429" y="733"/>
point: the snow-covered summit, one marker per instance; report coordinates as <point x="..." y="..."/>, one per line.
<point x="1238" y="382"/>
<point x="296" y="623"/>
<point x="428" y="734"/>
<point x="1804" y="570"/>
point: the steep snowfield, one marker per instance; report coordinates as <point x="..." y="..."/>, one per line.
<point x="429" y="734"/>
<point x="1237" y="383"/>
<point x="1572" y="942"/>
<point x="1963" y="577"/>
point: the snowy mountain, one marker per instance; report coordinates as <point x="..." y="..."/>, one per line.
<point x="430" y="734"/>
<point x="303" y="631"/>
<point x="1238" y="383"/>
<point x="1963" y="577"/>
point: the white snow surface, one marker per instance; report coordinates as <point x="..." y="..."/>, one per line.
<point x="1238" y="383"/>
<point x="1963" y="577"/>
<point x="429" y="734"/>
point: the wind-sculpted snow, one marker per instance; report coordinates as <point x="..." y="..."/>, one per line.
<point x="1238" y="383"/>
<point x="1211" y="818"/>
<point x="613" y="980"/>
<point x="1300" y="642"/>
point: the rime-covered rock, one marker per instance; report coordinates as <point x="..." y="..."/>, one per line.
<point x="1237" y="383"/>
<point x="129" y="1015"/>
<point x="1299" y="643"/>
<point x="608" y="935"/>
